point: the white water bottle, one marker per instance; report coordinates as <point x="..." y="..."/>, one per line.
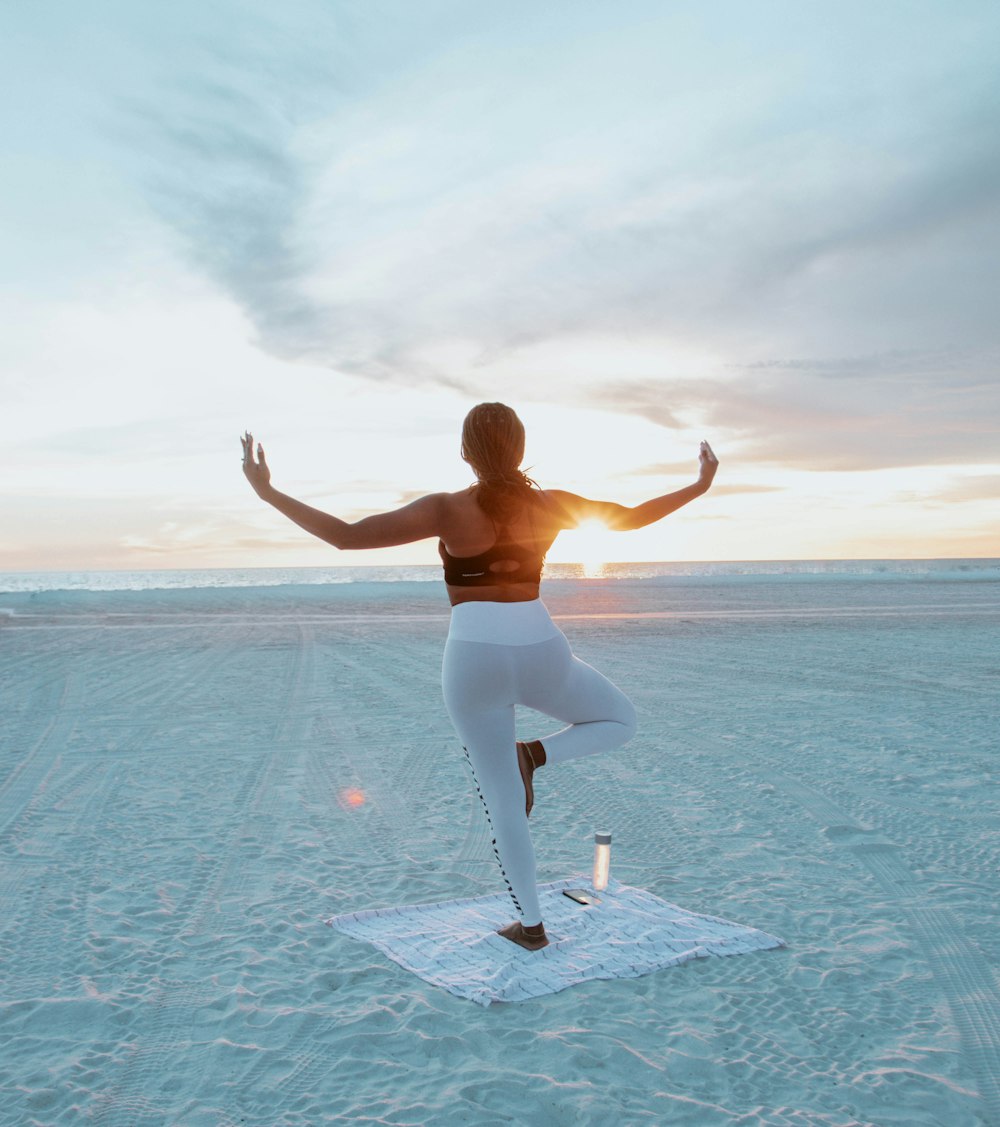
<point x="602" y="860"/>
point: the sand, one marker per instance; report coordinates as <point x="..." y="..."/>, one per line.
<point x="816" y="759"/>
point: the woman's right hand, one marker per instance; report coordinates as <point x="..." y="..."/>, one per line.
<point x="707" y="465"/>
<point x="257" y="473"/>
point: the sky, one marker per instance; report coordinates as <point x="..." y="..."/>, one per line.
<point x="774" y="226"/>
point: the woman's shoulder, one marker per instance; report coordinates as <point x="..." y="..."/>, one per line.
<point x="557" y="498"/>
<point x="458" y="499"/>
<point x="457" y="505"/>
<point x="558" y="502"/>
<point x="555" y="504"/>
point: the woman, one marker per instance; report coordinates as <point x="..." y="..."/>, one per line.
<point x="503" y="648"/>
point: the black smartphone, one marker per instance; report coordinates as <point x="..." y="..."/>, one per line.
<point x="581" y="896"/>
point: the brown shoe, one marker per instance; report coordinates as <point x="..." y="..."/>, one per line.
<point x="531" y="938"/>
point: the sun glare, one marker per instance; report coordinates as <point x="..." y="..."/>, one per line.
<point x="589" y="544"/>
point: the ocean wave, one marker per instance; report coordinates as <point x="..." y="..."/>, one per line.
<point x="29" y="582"/>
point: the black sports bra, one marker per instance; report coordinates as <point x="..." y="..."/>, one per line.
<point x="491" y="568"/>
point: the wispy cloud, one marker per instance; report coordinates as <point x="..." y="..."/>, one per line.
<point x="224" y="178"/>
<point x="835" y="414"/>
<point x="723" y="490"/>
<point x="685" y="470"/>
<point x="435" y="221"/>
<point x="975" y="487"/>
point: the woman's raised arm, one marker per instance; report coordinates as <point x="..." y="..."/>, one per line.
<point x="621" y="518"/>
<point x="416" y="521"/>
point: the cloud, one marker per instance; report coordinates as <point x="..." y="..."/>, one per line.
<point x="423" y="208"/>
<point x="731" y="490"/>
<point x="662" y="469"/>
<point x="856" y="413"/>
<point x="223" y="177"/>
<point x="153" y="438"/>
<point x="674" y="469"/>
<point x="975" y="487"/>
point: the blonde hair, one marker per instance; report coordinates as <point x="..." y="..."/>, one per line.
<point x="493" y="445"/>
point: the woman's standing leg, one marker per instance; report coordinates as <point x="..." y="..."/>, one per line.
<point x="478" y="683"/>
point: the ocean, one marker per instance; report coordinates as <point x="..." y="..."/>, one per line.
<point x="171" y="579"/>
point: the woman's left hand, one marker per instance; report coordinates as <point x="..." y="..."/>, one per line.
<point x="707" y="465"/>
<point x="257" y="473"/>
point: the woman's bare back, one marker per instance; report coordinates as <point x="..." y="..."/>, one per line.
<point x="468" y="531"/>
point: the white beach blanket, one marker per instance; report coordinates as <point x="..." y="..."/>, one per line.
<point x="630" y="933"/>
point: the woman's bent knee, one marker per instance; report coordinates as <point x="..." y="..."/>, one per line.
<point x="628" y="721"/>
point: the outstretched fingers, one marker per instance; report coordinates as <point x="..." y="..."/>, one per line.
<point x="246" y="440"/>
<point x="256" y="472"/>
<point x="708" y="464"/>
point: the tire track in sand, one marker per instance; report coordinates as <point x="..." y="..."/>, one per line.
<point x="171" y="1007"/>
<point x="60" y="700"/>
<point x="963" y="976"/>
<point x="256" y="802"/>
<point x="374" y="745"/>
<point x="57" y="908"/>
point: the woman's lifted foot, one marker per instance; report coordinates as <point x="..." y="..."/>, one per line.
<point x="533" y="937"/>
<point x="530" y="755"/>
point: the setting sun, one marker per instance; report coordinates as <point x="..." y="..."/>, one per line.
<point x="590" y="544"/>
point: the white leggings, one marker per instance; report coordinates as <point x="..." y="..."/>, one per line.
<point x="499" y="655"/>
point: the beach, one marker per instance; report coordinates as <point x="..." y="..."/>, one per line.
<point x="193" y="779"/>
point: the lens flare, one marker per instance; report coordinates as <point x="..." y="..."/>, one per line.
<point x="590" y="545"/>
<point x="351" y="798"/>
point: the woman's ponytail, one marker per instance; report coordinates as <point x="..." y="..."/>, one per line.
<point x="493" y="444"/>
